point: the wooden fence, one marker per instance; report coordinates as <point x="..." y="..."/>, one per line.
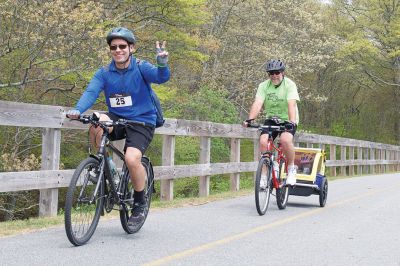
<point x="356" y="156"/>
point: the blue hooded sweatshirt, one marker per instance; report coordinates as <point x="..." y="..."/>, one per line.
<point x="133" y="82"/>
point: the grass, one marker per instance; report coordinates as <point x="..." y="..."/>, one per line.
<point x="16" y="227"/>
<point x="10" y="228"/>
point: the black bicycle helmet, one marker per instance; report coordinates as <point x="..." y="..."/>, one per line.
<point x="275" y="65"/>
<point x="121" y="33"/>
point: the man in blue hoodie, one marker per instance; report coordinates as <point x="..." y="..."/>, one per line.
<point x="125" y="84"/>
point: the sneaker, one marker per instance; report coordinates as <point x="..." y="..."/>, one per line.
<point x="291" y="176"/>
<point x="263" y="182"/>
<point x="138" y="214"/>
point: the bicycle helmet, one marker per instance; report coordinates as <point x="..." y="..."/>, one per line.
<point x="121" y="33"/>
<point x="275" y="65"/>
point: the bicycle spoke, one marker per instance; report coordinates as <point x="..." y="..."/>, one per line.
<point x="127" y="198"/>
<point x="282" y="193"/>
<point x="82" y="209"/>
<point x="263" y="185"/>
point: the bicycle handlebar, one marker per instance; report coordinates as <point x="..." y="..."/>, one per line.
<point x="280" y="127"/>
<point x="94" y="120"/>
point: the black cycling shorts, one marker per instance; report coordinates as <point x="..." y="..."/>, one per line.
<point x="275" y="134"/>
<point x="137" y="136"/>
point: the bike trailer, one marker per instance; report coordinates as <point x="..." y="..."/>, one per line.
<point x="309" y="162"/>
<point x="310" y="178"/>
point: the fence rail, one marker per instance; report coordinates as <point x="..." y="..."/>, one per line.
<point x="356" y="156"/>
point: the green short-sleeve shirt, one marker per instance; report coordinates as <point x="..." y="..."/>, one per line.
<point x="276" y="99"/>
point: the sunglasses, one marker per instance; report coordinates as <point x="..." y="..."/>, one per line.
<point x="120" y="46"/>
<point x="274" y="73"/>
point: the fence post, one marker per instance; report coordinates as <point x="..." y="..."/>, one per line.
<point x="48" y="199"/>
<point x="367" y="168"/>
<point x="351" y="157"/>
<point x="359" y="157"/>
<point x="398" y="160"/>
<point x="332" y="157"/>
<point x="343" y="159"/>
<point x="205" y="155"/>
<point x="168" y="159"/>
<point x="379" y="158"/>
<point x="392" y="167"/>
<point x="235" y="157"/>
<point x="386" y="156"/>
<point x="372" y="157"/>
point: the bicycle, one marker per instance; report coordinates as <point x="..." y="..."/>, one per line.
<point x="273" y="165"/>
<point x="95" y="188"/>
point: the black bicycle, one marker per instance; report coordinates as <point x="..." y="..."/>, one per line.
<point x="96" y="188"/>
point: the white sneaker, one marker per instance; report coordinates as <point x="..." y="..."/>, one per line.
<point x="263" y="181"/>
<point x="291" y="176"/>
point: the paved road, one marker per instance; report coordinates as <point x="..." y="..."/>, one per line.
<point x="360" y="225"/>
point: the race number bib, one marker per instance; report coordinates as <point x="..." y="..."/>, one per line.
<point x="120" y="100"/>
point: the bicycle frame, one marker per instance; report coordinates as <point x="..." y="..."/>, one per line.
<point x="101" y="155"/>
<point x="280" y="156"/>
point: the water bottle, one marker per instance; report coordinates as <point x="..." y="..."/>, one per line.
<point x="276" y="169"/>
<point x="114" y="171"/>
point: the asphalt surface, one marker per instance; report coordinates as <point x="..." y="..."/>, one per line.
<point x="360" y="225"/>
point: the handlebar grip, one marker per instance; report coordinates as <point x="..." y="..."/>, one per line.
<point x="253" y="125"/>
<point x="289" y="125"/>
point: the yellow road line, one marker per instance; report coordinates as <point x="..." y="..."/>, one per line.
<point x="244" y="234"/>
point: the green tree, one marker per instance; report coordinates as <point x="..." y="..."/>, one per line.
<point x="46" y="46"/>
<point x="366" y="74"/>
<point x="251" y="32"/>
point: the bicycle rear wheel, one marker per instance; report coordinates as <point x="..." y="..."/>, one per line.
<point x="323" y="193"/>
<point x="128" y="191"/>
<point x="263" y="185"/>
<point x="282" y="193"/>
<point x="82" y="207"/>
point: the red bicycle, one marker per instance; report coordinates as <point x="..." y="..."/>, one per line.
<point x="272" y="167"/>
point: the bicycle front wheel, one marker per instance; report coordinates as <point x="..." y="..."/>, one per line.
<point x="263" y="185"/>
<point x="282" y="192"/>
<point x="82" y="206"/>
<point x="127" y="197"/>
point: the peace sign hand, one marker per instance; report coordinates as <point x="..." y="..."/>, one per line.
<point x="162" y="54"/>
